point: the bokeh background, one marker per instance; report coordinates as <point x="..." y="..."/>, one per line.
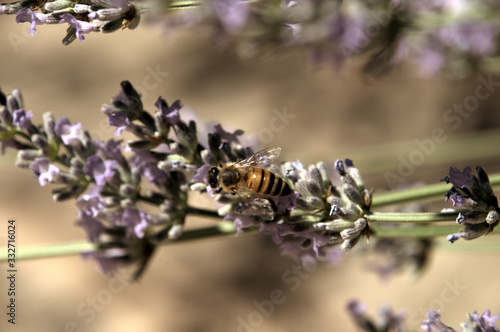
<point x="212" y="285"/>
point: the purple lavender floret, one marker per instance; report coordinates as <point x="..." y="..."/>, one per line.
<point x="66" y="131"/>
<point x="170" y="113"/>
<point x="22" y="119"/>
<point x="26" y="15"/>
<point x="45" y="171"/>
<point x="100" y="170"/>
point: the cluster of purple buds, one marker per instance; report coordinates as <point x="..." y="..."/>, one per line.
<point x="83" y="17"/>
<point x="474" y="196"/>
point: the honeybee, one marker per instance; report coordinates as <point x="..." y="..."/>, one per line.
<point x="250" y="180"/>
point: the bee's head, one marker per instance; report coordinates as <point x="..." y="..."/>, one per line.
<point x="213" y="177"/>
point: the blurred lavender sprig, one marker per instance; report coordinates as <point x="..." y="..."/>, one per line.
<point x="83" y="17"/>
<point x="454" y="36"/>
<point x="391" y="322"/>
<point x="387" y="320"/>
<point x="132" y="197"/>
<point x="475" y="323"/>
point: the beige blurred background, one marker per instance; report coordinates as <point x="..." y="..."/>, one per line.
<point x="209" y="285"/>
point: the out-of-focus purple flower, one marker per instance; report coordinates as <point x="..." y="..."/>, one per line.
<point x="26" y="15"/>
<point x="392" y="256"/>
<point x="45" y="171"/>
<point x="286" y="203"/>
<point x="277" y="230"/>
<point x="124" y="109"/>
<point x="111" y="149"/>
<point x="304" y="253"/>
<point x="106" y="265"/>
<point x="391" y="320"/>
<point x="233" y="14"/>
<point x="241" y="221"/>
<point x="90" y="203"/>
<point x="201" y="174"/>
<point x="433" y="323"/>
<point x="81" y="27"/>
<point x="430" y="59"/>
<point x="100" y="170"/>
<point x="228" y="136"/>
<point x="316" y="240"/>
<point x="140" y="228"/>
<point x="133" y="220"/>
<point x="347" y="33"/>
<point x="171" y="113"/>
<point x="387" y="319"/>
<point x="22" y="118"/>
<point x="483" y="323"/>
<point x="357" y="311"/>
<point x="93" y="227"/>
<point x="147" y="163"/>
<point x="475" y="323"/>
<point x="68" y="133"/>
<point x="474" y="38"/>
<point x="119" y="120"/>
<point x="153" y="173"/>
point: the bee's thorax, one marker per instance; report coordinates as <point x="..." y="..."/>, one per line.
<point x="230" y="177"/>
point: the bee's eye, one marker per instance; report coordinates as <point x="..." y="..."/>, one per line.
<point x="213" y="177"/>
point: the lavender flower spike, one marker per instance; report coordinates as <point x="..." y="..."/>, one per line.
<point x="474" y="194"/>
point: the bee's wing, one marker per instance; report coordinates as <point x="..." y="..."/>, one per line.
<point x="262" y="158"/>
<point x="261" y="206"/>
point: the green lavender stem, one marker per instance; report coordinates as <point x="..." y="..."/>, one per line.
<point x="411" y="218"/>
<point x="421" y="231"/>
<point x="425" y="193"/>
<point x="227" y="229"/>
<point x="77" y="247"/>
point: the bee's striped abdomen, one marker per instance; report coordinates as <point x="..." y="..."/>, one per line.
<point x="264" y="182"/>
